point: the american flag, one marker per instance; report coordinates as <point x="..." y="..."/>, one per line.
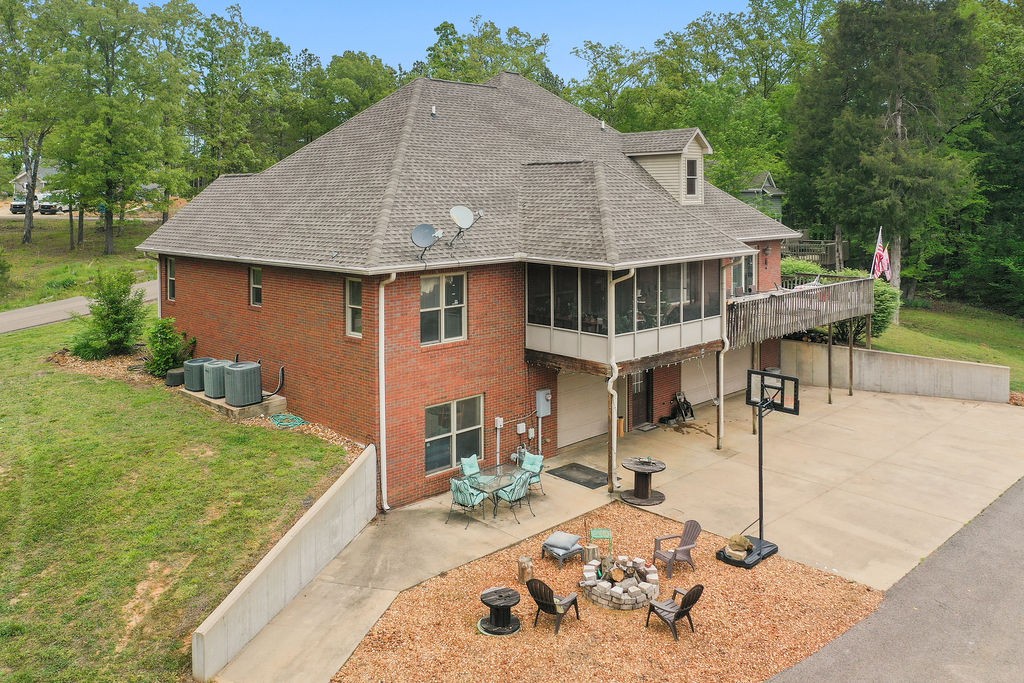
<point x="880" y="264"/>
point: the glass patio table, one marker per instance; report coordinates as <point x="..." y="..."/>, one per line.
<point x="490" y="480"/>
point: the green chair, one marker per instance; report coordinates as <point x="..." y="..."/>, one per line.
<point x="602" y="535"/>
<point x="467" y="498"/>
<point x="534" y="464"/>
<point x="515" y="493"/>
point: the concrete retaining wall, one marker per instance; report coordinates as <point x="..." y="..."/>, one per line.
<point x="327" y="527"/>
<point x="897" y="373"/>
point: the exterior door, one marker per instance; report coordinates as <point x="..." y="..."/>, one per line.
<point x="642" y="397"/>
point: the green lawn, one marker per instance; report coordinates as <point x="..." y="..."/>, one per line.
<point x="46" y="270"/>
<point x="960" y="333"/>
<point x="127" y="513"/>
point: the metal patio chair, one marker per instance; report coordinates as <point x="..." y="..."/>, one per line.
<point x="467" y="498"/>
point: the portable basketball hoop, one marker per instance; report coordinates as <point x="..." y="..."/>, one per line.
<point x="768" y="392"/>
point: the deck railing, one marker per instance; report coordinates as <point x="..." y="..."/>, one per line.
<point x="805" y="302"/>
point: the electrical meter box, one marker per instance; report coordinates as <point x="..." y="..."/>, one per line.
<point x="543" y="402"/>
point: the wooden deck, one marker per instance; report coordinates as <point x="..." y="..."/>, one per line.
<point x="803" y="303"/>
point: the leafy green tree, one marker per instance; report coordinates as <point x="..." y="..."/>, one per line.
<point x="168" y="348"/>
<point x="28" y="109"/>
<point x="614" y="74"/>
<point x="482" y="53"/>
<point x="871" y="144"/>
<point x="237" y="109"/>
<point x="117" y="315"/>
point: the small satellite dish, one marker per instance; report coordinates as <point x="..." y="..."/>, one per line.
<point x="463" y="216"/>
<point x="425" y="236"/>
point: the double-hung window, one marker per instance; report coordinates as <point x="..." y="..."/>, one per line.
<point x="354" y="307"/>
<point x="171" y="283"/>
<point x="255" y="286"/>
<point x="442" y="308"/>
<point x="691" y="177"/>
<point x="454" y="430"/>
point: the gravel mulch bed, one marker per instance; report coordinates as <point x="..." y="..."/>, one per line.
<point x="750" y="624"/>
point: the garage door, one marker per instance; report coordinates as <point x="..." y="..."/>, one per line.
<point x="582" y="405"/>
<point x="698" y="375"/>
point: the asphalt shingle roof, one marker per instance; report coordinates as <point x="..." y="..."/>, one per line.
<point x="552" y="183"/>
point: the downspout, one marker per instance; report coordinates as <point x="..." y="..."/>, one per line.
<point x="721" y="354"/>
<point x="613" y="396"/>
<point x="382" y="412"/>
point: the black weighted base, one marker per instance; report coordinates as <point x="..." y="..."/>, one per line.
<point x="488" y="629"/>
<point x="762" y="549"/>
<point x="656" y="498"/>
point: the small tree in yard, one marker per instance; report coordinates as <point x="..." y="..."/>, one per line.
<point x="116" y="320"/>
<point x="167" y="347"/>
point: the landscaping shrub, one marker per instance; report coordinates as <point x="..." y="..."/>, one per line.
<point x="116" y="320"/>
<point x="167" y="347"/>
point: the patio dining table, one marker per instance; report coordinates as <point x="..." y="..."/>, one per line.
<point x="490" y="480"/>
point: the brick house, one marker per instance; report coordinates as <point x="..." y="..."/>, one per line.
<point x="438" y="353"/>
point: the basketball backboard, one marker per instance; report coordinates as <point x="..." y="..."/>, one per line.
<point x="773" y="391"/>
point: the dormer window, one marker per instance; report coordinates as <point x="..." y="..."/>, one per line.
<point x="691" y="177"/>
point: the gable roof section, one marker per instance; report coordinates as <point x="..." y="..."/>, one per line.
<point x="662" y="141"/>
<point x="553" y="186"/>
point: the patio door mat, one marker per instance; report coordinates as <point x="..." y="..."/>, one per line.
<point x="581" y="474"/>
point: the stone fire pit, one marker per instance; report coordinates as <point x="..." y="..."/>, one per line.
<point x="625" y="583"/>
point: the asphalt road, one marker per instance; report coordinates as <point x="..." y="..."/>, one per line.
<point x="957" y="616"/>
<point x="56" y="311"/>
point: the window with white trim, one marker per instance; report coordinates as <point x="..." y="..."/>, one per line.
<point x="453" y="430"/>
<point x="354" y="307"/>
<point x="171" y="282"/>
<point x="255" y="286"/>
<point x="442" y="308"/>
<point x="691" y="177"/>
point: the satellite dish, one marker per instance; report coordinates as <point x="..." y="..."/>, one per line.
<point x="463" y="217"/>
<point x="424" y="236"/>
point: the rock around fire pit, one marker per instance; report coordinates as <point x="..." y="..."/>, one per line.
<point x="620" y="583"/>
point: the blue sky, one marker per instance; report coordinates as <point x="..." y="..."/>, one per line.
<point x="400" y="32"/>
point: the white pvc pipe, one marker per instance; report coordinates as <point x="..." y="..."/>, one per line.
<point x="381" y="384"/>
<point x="721" y="356"/>
<point x="613" y="442"/>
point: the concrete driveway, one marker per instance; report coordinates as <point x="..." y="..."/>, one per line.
<point x="866" y="488"/>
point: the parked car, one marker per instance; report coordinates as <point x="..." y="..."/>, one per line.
<point x="18" y="204"/>
<point x="51" y="205"/>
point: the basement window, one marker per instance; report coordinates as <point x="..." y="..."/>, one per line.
<point x="453" y="430"/>
<point x="354" y="308"/>
<point x="171" y="283"/>
<point x="255" y="286"/>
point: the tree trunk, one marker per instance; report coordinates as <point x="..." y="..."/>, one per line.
<point x="166" y="213"/>
<point x="839" y="247"/>
<point x="81" y="224"/>
<point x="108" y="219"/>
<point x="894" y="262"/>
<point x="71" y="231"/>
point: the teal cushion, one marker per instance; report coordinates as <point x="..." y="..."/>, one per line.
<point x="532" y="462"/>
<point x="470" y="465"/>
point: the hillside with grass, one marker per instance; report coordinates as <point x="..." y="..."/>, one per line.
<point x="127" y="513"/>
<point x="959" y="332"/>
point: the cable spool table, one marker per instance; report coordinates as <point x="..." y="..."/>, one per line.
<point x="641" y="493"/>
<point x="501" y="621"/>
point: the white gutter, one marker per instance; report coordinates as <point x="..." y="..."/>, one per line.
<point x="382" y="412"/>
<point x="613" y="396"/>
<point x="721" y="355"/>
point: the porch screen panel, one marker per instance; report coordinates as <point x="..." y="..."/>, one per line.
<point x="538" y="294"/>
<point x="593" y="301"/>
<point x="712" y="289"/>
<point x="646" y="298"/>
<point x="567" y="298"/>
<point x="671" y="278"/>
<point x="692" y="292"/>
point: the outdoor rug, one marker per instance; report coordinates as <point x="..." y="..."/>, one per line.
<point x="581" y="474"/>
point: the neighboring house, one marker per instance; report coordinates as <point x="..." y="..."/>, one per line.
<point x="764" y="194"/>
<point x="20" y="181"/>
<point x="435" y="354"/>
